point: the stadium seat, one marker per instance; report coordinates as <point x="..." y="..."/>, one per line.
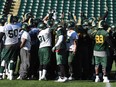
<point x="97" y="8"/>
<point x="85" y="7"/>
<point x="41" y="7"/>
<point x="36" y="1"/>
<point x="2" y="6"/>
<point x="22" y="8"/>
<point x="29" y="6"/>
<point x="54" y="4"/>
<point x="72" y="6"/>
<point x="90" y="8"/>
<point x="47" y="7"/>
<point x="78" y="8"/>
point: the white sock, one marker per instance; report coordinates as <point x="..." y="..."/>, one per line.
<point x="10" y="74"/>
<point x="40" y="74"/>
<point x="44" y="73"/>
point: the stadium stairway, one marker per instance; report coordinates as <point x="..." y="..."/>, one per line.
<point x="15" y="4"/>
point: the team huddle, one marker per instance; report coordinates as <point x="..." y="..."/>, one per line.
<point x="21" y="38"/>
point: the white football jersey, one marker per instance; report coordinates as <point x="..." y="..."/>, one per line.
<point x="44" y="37"/>
<point x="11" y="34"/>
<point x="26" y="36"/>
<point x="71" y="36"/>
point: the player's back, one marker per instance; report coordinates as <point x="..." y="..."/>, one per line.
<point x="100" y="40"/>
<point x="11" y="34"/>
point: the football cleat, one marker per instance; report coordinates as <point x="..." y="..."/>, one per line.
<point x="64" y="79"/>
<point x="97" y="79"/>
<point x="105" y="79"/>
<point x="70" y="78"/>
<point x="10" y="77"/>
<point x="42" y="78"/>
<point x="18" y="77"/>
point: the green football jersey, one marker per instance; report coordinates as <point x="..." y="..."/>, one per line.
<point x="100" y="40"/>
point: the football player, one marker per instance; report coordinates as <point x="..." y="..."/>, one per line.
<point x="101" y="38"/>
<point x="25" y="47"/>
<point x="44" y="52"/>
<point x="71" y="43"/>
<point x="60" y="50"/>
<point x="34" y="64"/>
<point x="9" y="52"/>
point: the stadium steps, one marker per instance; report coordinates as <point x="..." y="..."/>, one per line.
<point x="15" y="7"/>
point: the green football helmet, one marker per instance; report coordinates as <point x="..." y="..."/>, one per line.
<point x="71" y="24"/>
<point x="101" y="24"/>
<point x="24" y="26"/>
<point x="28" y="15"/>
<point x="20" y="19"/>
<point x="50" y="22"/>
<point x="42" y="26"/>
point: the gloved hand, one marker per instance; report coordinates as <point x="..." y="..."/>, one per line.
<point x="53" y="49"/>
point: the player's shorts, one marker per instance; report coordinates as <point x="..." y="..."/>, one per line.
<point x="101" y="60"/>
<point x="61" y="57"/>
<point x="10" y="52"/>
<point x="70" y="56"/>
<point x="44" y="55"/>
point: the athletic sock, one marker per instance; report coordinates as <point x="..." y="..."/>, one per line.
<point x="44" y="73"/>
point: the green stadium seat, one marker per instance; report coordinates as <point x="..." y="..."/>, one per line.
<point x="90" y="8"/>
<point x="35" y="4"/>
<point x="36" y="1"/>
<point x="34" y="7"/>
<point x="29" y="6"/>
<point x="41" y="7"/>
<point x="34" y="11"/>
<point x="1" y="10"/>
<point x="59" y="11"/>
<point x="54" y="1"/>
<point x="30" y="1"/>
<point x="21" y="10"/>
<point x="24" y="1"/>
<point x="2" y="6"/>
<point x="22" y="7"/>
<point x="23" y="4"/>
<point x="40" y="15"/>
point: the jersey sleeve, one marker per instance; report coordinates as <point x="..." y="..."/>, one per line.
<point x="2" y="29"/>
<point x="25" y="35"/>
<point x="75" y="36"/>
<point x="59" y="32"/>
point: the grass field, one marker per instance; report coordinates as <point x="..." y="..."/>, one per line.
<point x="51" y="83"/>
<point x="36" y="83"/>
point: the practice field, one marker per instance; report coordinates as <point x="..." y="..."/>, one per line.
<point x="36" y="83"/>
